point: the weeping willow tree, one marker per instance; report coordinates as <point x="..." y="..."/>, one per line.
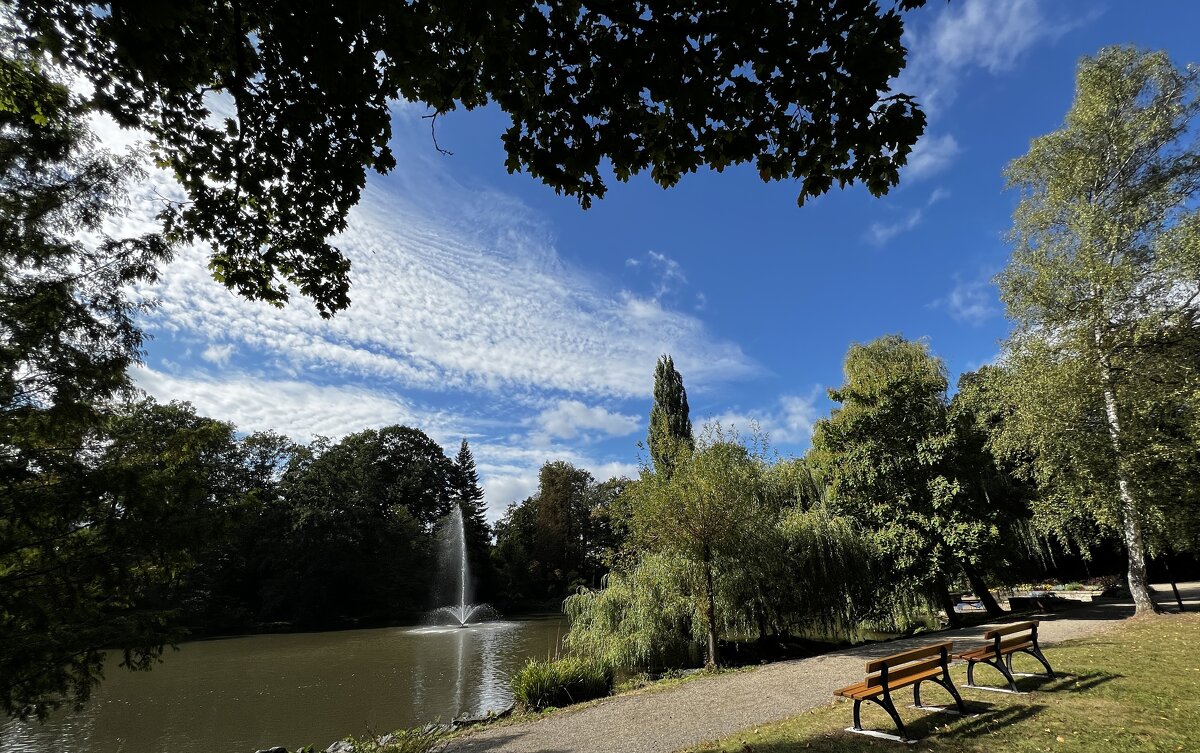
<point x="646" y="616"/>
<point x="775" y="565"/>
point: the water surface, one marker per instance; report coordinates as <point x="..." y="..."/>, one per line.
<point x="237" y="695"/>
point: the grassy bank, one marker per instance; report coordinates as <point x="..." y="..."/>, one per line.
<point x="1136" y="688"/>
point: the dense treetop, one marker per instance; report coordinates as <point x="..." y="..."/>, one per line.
<point x="801" y="90"/>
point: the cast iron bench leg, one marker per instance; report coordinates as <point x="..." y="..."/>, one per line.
<point x="885" y="704"/>
<point x="998" y="664"/>
<point x="1036" y="653"/>
<point x="947" y="686"/>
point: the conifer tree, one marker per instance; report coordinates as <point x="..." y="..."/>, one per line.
<point x="469" y="494"/>
<point x="670" y="429"/>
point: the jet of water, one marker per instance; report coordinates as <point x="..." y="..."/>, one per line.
<point x="454" y="564"/>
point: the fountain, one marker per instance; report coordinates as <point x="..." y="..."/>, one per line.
<point x="456" y="572"/>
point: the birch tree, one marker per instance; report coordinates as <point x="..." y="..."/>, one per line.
<point x="1104" y="289"/>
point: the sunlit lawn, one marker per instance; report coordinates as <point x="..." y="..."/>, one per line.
<point x="1136" y="688"/>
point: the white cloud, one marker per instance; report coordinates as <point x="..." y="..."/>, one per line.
<point x="571" y="418"/>
<point x="988" y="34"/>
<point x="932" y="154"/>
<point x="790" y="421"/>
<point x="669" y="277"/>
<point x="671" y="274"/>
<point x="218" y="354"/>
<point x="440" y="306"/>
<point x="501" y="490"/>
<point x="508" y="471"/>
<point x="970" y="301"/>
<point x="300" y="410"/>
<point x="880" y="233"/>
<point x="939" y="194"/>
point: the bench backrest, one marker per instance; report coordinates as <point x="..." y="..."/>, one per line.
<point x="905" y="664"/>
<point x="1016" y="627"/>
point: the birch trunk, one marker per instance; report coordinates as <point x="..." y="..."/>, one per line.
<point x="1131" y="522"/>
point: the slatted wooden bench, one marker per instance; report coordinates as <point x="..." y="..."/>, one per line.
<point x="1022" y="637"/>
<point x="897" y="671"/>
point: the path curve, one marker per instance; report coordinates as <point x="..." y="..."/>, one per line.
<point x="713" y="707"/>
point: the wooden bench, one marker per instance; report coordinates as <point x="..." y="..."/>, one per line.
<point x="898" y="671"/>
<point x="1022" y="637"/>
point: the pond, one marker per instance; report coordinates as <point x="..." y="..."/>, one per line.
<point x="237" y="695"/>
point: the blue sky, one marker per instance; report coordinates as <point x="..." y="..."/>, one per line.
<point x="487" y="307"/>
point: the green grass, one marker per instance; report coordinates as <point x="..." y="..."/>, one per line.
<point x="1136" y="688"/>
<point x="417" y="740"/>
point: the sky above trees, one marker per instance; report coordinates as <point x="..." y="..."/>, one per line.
<point x="485" y="306"/>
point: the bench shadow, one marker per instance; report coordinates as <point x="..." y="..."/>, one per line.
<point x="1060" y="683"/>
<point x="985" y="716"/>
<point x="1066" y="683"/>
<point x="982" y="719"/>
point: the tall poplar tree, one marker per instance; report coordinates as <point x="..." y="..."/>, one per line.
<point x="1104" y="287"/>
<point x="670" y="428"/>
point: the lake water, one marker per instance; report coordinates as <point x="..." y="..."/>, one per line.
<point x="237" y="695"/>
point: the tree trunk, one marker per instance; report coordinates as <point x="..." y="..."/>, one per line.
<point x="943" y="594"/>
<point x="990" y="605"/>
<point x="1135" y="547"/>
<point x="710" y="612"/>
<point x="1174" y="585"/>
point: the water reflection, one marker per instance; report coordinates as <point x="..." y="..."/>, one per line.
<point x="241" y="694"/>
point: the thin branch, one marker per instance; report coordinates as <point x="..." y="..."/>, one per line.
<point x="432" y="118"/>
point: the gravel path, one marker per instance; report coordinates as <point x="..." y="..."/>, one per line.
<point x="713" y="707"/>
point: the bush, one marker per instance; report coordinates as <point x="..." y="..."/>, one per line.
<point x="572" y="679"/>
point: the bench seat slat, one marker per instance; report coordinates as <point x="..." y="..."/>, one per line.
<point x="860" y="691"/>
<point x="906" y="656"/>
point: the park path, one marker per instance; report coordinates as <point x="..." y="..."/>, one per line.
<point x="666" y="720"/>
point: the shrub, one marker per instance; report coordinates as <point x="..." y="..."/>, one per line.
<point x="560" y="682"/>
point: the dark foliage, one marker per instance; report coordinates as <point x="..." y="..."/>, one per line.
<point x="801" y="90"/>
<point x="86" y="540"/>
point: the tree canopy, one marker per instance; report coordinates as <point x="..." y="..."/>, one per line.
<point x="89" y="534"/>
<point x="272" y="165"/>
<point x="890" y="452"/>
